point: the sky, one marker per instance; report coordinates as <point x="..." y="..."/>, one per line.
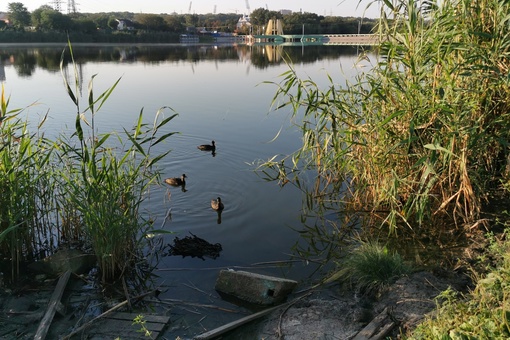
<point x="321" y="7"/>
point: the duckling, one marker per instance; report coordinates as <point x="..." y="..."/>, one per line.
<point x="217" y="204"/>
<point x="176" y="181"/>
<point x="207" y="147"/>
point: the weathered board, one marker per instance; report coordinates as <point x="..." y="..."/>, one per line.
<point x="53" y="306"/>
<point x="378" y="328"/>
<point x="121" y="325"/>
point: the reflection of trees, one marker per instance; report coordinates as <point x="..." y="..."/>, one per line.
<point x="26" y="59"/>
<point x="24" y="64"/>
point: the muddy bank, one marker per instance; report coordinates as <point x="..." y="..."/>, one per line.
<point x="324" y="313"/>
<point x="330" y="313"/>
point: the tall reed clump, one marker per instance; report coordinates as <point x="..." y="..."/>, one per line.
<point x="26" y="202"/>
<point x="86" y="187"/>
<point x="107" y="177"/>
<point x="422" y="137"/>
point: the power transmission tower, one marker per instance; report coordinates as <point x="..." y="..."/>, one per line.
<point x="57" y="5"/>
<point x="71" y="7"/>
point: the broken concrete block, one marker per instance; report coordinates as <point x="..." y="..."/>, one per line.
<point x="254" y="288"/>
<point x="73" y="260"/>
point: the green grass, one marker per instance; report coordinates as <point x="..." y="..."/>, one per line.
<point x="369" y="268"/>
<point x="483" y="313"/>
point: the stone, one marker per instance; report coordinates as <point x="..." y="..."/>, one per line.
<point x="254" y="288"/>
<point x="73" y="260"/>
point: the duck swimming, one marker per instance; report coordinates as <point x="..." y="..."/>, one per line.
<point x="207" y="147"/>
<point x="217" y="204"/>
<point x="176" y="181"/>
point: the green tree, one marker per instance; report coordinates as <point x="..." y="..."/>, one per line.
<point x="37" y="16"/>
<point x="47" y="19"/>
<point x="260" y="17"/>
<point x="295" y="22"/>
<point x="18" y="15"/>
<point x="152" y="22"/>
<point x="85" y="25"/>
<point x="113" y="23"/>
<point x="174" y="23"/>
<point x="191" y="20"/>
<point x="102" y="20"/>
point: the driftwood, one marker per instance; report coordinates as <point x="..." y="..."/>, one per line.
<point x="53" y="305"/>
<point x="234" y="324"/>
<point x="378" y="328"/>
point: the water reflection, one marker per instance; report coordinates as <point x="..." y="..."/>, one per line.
<point x="26" y="59"/>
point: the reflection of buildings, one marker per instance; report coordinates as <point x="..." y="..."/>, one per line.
<point x="273" y="53"/>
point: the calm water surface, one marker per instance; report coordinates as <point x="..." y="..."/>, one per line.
<point x="219" y="94"/>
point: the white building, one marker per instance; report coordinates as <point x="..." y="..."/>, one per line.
<point x="243" y="21"/>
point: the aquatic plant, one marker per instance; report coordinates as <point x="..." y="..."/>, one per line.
<point x="86" y="187"/>
<point x="421" y="138"/>
<point x="25" y="190"/>
<point x="107" y="183"/>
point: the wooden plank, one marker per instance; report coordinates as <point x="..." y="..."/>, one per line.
<point x="45" y="323"/>
<point x="377" y="329"/>
<point x="128" y="325"/>
<point x="109" y="311"/>
<point x="124" y="329"/>
<point x="146" y="317"/>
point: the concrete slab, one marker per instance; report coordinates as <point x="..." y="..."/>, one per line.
<point x="254" y="288"/>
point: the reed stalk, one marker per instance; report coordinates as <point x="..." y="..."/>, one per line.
<point x="423" y="135"/>
<point x="25" y="186"/>
<point x="87" y="187"/>
<point x="108" y="178"/>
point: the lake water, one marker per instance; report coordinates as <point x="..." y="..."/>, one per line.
<point x="219" y="94"/>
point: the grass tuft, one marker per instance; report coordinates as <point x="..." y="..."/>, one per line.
<point x="370" y="267"/>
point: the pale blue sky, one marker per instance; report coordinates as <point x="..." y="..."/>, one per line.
<point x="321" y="7"/>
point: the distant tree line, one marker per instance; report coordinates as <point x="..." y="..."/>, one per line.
<point x="45" y="19"/>
<point x="312" y="23"/>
